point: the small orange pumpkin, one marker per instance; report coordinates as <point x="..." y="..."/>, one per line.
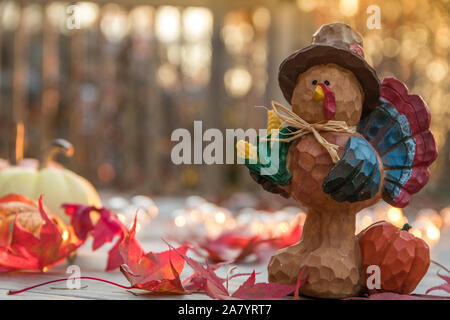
<point x="403" y="258"/>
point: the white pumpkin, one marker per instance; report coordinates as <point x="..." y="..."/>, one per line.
<point x="57" y="184"/>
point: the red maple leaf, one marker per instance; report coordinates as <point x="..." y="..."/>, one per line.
<point x="290" y="238"/>
<point x="25" y="251"/>
<point x="155" y="272"/>
<point x="232" y="246"/>
<point x="229" y="246"/>
<point x="445" y="286"/>
<point x="159" y="273"/>
<point x="207" y="281"/>
<point x="195" y="282"/>
<point x="262" y="291"/>
<point x="105" y="229"/>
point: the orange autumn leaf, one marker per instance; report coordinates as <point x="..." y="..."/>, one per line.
<point x="155" y="272"/>
<point x="36" y="241"/>
<point x="212" y="285"/>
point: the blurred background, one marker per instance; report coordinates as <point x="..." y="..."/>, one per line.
<point x="118" y="78"/>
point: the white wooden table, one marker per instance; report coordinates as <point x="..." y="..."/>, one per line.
<point x="93" y="264"/>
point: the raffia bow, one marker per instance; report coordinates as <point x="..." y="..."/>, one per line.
<point x="303" y="127"/>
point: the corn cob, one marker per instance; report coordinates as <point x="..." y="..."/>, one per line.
<point x="246" y="150"/>
<point x="273" y="122"/>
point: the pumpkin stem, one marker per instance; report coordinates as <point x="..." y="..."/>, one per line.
<point x="57" y="146"/>
<point x="20" y="136"/>
<point x="406" y="227"/>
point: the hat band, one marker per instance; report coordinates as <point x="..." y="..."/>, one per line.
<point x="356" y="48"/>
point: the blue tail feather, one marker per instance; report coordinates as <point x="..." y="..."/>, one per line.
<point x="399" y="130"/>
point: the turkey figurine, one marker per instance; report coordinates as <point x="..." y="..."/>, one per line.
<point x="347" y="142"/>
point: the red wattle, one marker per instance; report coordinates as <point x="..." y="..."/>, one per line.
<point x="329" y="102"/>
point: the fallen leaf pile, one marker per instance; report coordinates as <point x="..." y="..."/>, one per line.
<point x="212" y="285"/>
<point x="159" y="273"/>
<point x="30" y="239"/>
<point x="35" y="242"/>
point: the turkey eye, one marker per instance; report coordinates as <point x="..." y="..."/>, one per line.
<point x="327" y="82"/>
<point x="314" y="82"/>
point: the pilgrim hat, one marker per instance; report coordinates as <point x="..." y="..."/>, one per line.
<point x="334" y="43"/>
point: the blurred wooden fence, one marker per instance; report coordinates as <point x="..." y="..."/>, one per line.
<point x="118" y="94"/>
<point x="136" y="70"/>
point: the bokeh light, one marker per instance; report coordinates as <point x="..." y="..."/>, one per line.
<point x="306" y="5"/>
<point x="261" y="18"/>
<point x="437" y="70"/>
<point x="57" y="15"/>
<point x="10" y="15"/>
<point x="142" y="20"/>
<point x="197" y="23"/>
<point x="237" y="32"/>
<point x="32" y="18"/>
<point x="87" y="13"/>
<point x="167" y="23"/>
<point x="238" y="81"/>
<point x="115" y="24"/>
<point x="348" y="7"/>
<point x="167" y="76"/>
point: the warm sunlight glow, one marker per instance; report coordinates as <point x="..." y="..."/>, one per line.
<point x="433" y="233"/>
<point x="238" y="81"/>
<point x="416" y="232"/>
<point x="115" y="23"/>
<point x="65" y="235"/>
<point x="180" y="221"/>
<point x="395" y="215"/>
<point x="167" y="23"/>
<point x="220" y="217"/>
<point x="306" y="5"/>
<point x="197" y="23"/>
<point x="86" y="13"/>
<point x="348" y="7"/>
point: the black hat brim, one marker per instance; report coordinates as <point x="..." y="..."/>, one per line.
<point x="316" y="54"/>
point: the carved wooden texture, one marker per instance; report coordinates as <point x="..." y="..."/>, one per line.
<point x="397" y="127"/>
<point x="403" y="259"/>
<point x="333" y="43"/>
<point x="399" y="131"/>
<point x="347" y="91"/>
<point x="328" y="250"/>
<point x="309" y="164"/>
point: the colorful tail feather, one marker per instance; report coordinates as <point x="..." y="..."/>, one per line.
<point x="399" y="130"/>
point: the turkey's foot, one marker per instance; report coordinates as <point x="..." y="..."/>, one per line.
<point x="331" y="272"/>
<point x="284" y="266"/>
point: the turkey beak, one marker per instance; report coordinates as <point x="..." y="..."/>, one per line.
<point x="318" y="94"/>
<point x="323" y="93"/>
